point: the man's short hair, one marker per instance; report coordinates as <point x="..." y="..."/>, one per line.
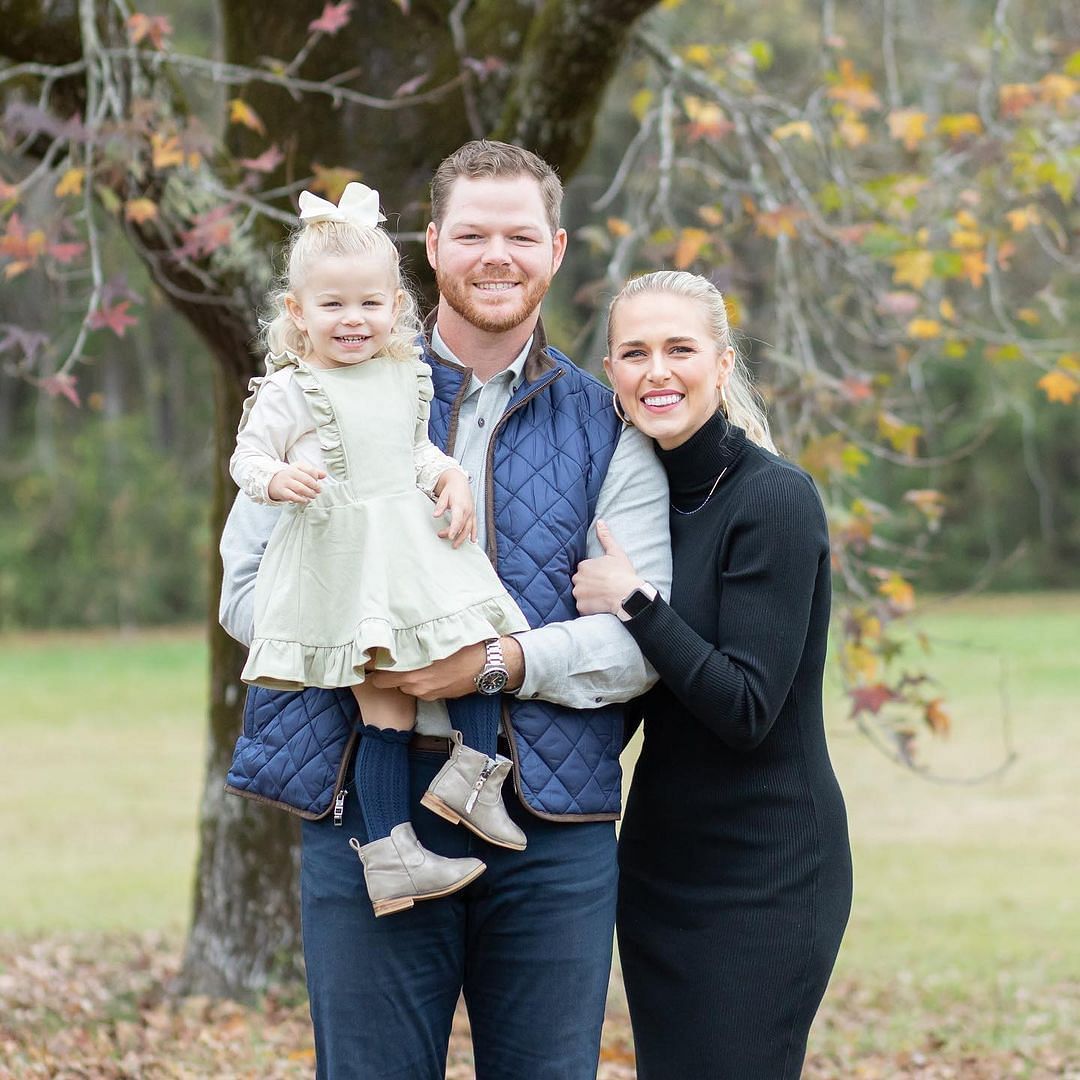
<point x="484" y="160"/>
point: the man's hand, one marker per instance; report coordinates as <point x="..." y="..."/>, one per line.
<point x="453" y="677"/>
<point x="297" y="483"/>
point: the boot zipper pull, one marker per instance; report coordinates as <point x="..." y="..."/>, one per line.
<point x="485" y="772"/>
<point x="339" y="806"/>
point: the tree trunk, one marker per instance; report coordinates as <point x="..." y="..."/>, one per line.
<point x="245" y="924"/>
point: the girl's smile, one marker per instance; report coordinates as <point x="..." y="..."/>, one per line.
<point x="346" y="307"/>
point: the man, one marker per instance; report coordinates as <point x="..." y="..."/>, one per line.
<point x="529" y="943"/>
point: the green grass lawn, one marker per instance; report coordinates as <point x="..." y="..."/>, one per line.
<point x="967" y="891"/>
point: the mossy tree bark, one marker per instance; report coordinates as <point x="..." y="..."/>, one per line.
<point x="526" y="73"/>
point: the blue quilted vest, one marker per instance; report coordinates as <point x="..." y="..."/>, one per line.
<point x="548" y="459"/>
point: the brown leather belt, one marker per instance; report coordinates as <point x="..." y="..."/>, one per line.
<point x="437" y="744"/>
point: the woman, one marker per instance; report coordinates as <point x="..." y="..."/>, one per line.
<point x="735" y="870"/>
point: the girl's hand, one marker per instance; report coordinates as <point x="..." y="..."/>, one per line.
<point x="601" y="585"/>
<point x="297" y="483"/>
<point x="455" y="495"/>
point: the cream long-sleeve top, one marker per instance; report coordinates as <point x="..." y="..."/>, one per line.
<point x="278" y="429"/>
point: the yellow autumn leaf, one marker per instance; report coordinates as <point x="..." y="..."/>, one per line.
<point x="908" y="126"/>
<point x="691" y="241"/>
<point x="140" y="211"/>
<point x="800" y="128"/>
<point x="899" y="591"/>
<point x="1070" y="362"/>
<point x="959" y="125"/>
<point x="937" y="718"/>
<point x="903" y="437"/>
<point x="166" y="151"/>
<point x="669" y="5"/>
<point x="1057" y="89"/>
<point x="71" y="183"/>
<point x="697" y="54"/>
<point x="966" y="239"/>
<point x="1014" y="98"/>
<point x="1028" y="315"/>
<point x="975" y="267"/>
<point x="946" y="309"/>
<point x="1023" y="217"/>
<point x="711" y="215"/>
<point x="955" y="349"/>
<point x="618" y="227"/>
<point x="853" y="132"/>
<point x="1059" y="386"/>
<point x="859" y="661"/>
<point x="780" y="222"/>
<point x="640" y="102"/>
<point x="912" y="268"/>
<point x="733" y="309"/>
<point x="854" y="88"/>
<point x="240" y="112"/>
<point x="924" y="329"/>
<point x="330" y="181"/>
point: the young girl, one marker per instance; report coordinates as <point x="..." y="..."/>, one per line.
<point x="360" y="572"/>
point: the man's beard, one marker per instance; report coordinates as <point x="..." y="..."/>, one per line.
<point x="459" y="295"/>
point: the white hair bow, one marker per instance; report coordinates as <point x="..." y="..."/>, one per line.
<point x="358" y="204"/>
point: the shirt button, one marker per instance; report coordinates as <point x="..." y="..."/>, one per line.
<point x="480" y="422"/>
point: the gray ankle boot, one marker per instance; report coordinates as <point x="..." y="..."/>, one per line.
<point x="468" y="789"/>
<point x="399" y="870"/>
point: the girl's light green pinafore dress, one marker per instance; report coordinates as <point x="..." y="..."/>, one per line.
<point x="359" y="577"/>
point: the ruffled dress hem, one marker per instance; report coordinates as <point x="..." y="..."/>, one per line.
<point x="292" y="665"/>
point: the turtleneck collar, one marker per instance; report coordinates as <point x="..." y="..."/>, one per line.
<point x="693" y="467"/>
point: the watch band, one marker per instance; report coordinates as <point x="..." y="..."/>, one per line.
<point x="492" y="678"/>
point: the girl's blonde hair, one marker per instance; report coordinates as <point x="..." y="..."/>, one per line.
<point x="320" y="239"/>
<point x="744" y="405"/>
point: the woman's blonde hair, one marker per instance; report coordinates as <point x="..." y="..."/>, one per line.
<point x="744" y="406"/>
<point x="320" y="239"/>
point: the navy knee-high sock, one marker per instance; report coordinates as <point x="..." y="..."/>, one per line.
<point x="382" y="779"/>
<point x="477" y="719"/>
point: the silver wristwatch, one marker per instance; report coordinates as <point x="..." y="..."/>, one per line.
<point x="494" y="675"/>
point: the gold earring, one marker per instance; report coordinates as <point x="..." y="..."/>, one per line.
<point x="724" y="402"/>
<point x="618" y="409"/>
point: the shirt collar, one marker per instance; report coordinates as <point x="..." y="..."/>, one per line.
<point x="513" y="371"/>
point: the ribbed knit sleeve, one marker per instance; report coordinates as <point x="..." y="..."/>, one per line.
<point x="774" y="544"/>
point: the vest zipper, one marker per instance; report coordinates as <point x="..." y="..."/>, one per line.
<point x="339" y="806"/>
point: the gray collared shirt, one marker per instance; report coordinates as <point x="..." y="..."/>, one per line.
<point x="581" y="663"/>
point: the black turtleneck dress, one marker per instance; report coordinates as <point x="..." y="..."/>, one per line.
<point x="735" y="869"/>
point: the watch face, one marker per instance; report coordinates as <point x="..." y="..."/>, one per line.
<point x="491" y="682"/>
<point x="636" y="603"/>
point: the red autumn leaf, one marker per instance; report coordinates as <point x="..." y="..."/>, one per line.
<point x="66" y="253"/>
<point x="332" y="19"/>
<point x="210" y="232"/>
<point x="154" y="27"/>
<point x="114" y="318"/>
<point x="870" y="698"/>
<point x="266" y="162"/>
<point x="57" y="385"/>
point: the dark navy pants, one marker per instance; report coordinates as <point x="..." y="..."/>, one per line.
<point x="529" y="944"/>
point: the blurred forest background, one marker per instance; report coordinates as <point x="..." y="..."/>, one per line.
<point x="110" y="522"/>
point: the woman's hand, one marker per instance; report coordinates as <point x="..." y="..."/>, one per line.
<point x="601" y="585"/>
<point x="297" y="483"/>
<point x="454" y="494"/>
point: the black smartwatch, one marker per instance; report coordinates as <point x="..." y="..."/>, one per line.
<point x="492" y="678"/>
<point x="636" y="602"/>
